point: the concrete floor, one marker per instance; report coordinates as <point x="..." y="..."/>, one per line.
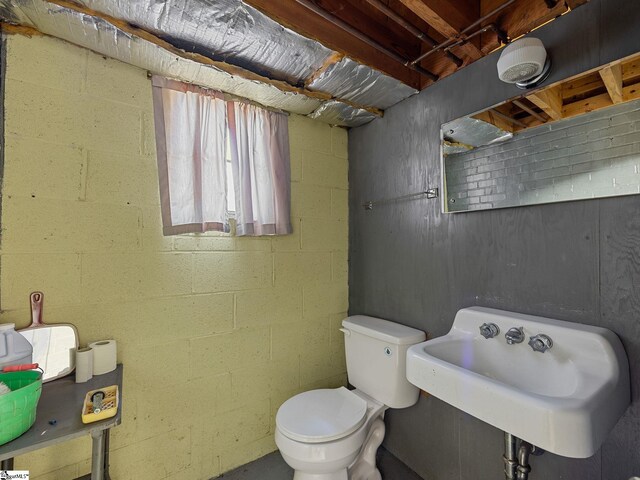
<point x="273" y="467"/>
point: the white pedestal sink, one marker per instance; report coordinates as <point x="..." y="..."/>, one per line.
<point x="565" y="400"/>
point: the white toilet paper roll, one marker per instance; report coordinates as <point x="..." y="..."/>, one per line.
<point x="104" y="356"/>
<point x="84" y="364"/>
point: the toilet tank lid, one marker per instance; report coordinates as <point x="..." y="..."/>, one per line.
<point x="384" y="330"/>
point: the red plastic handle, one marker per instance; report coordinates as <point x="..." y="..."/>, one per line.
<point x="19" y="368"/>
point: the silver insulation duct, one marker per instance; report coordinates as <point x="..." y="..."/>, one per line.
<point x="337" y="113"/>
<point x="224" y="30"/>
<point x="472" y="133"/>
<point x="242" y="35"/>
<point x="362" y="85"/>
<point x="104" y="38"/>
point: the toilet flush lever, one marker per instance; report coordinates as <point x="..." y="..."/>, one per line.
<point x="345" y="331"/>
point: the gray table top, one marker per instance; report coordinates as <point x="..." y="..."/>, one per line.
<point x="62" y="401"/>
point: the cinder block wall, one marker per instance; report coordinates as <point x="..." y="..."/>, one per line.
<point x="215" y="332"/>
<point x="593" y="155"/>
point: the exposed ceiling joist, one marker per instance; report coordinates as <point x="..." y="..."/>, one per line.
<point x="520" y="18"/>
<point x="507" y="118"/>
<point x="499" y="121"/>
<point x="338" y="22"/>
<point x="549" y="100"/>
<point x="344" y="59"/>
<point x="575" y="89"/>
<point x="422" y="36"/>
<point x="445" y="35"/>
<point x="295" y="16"/>
<point x="440" y="14"/>
<point x="530" y="111"/>
<point x="629" y="93"/>
<point x="20" y="30"/>
<point x="328" y="63"/>
<point x="631" y="71"/>
<point x="612" y="77"/>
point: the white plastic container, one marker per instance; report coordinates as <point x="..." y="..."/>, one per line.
<point x="14" y="348"/>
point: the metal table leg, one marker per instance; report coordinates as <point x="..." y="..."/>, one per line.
<point x="106" y="454"/>
<point x="97" y="455"/>
<point x="6" y="464"/>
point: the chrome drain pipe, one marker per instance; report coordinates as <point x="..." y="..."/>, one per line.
<point x="523" y="460"/>
<point x="510" y="457"/>
<point x="516" y="458"/>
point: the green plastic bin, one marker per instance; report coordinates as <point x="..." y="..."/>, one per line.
<point x="18" y="408"/>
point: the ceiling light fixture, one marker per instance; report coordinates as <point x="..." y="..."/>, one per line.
<point x="525" y="63"/>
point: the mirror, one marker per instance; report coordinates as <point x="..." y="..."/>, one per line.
<point x="54" y="346"/>
<point x="573" y="140"/>
<point x="53" y="349"/>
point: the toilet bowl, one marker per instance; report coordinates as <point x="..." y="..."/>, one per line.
<point x="322" y="433"/>
<point x="333" y="434"/>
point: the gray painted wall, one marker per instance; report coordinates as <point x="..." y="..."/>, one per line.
<point x="576" y="261"/>
<point x="589" y="156"/>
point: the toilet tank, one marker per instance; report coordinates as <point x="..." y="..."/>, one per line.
<point x="376" y="352"/>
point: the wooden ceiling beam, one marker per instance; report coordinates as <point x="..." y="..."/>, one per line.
<point x="520" y="18"/>
<point x="298" y="18"/>
<point x="631" y="71"/>
<point x="422" y="36"/>
<point x="591" y="83"/>
<point x="373" y="23"/>
<point x="507" y="118"/>
<point x="529" y="122"/>
<point x="432" y="12"/>
<point x="612" y="77"/>
<point x="629" y="93"/>
<point x="549" y="100"/>
<point x="530" y="111"/>
<point x="589" y="105"/>
<point x="448" y="18"/>
<point x="578" y="88"/>
<point x="314" y="7"/>
<point x="489" y="116"/>
<point x="24" y="30"/>
<point x="330" y="61"/>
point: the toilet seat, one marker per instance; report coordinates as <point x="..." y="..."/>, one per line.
<point x="320" y="416"/>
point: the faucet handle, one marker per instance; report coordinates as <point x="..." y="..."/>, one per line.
<point x="540" y="343"/>
<point x="514" y="335"/>
<point x="489" y="330"/>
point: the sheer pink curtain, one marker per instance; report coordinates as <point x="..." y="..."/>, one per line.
<point x="261" y="170"/>
<point x="190" y="125"/>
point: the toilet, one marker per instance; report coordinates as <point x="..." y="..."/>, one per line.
<point x="333" y="434"/>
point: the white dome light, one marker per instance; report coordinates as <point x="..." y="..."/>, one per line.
<point x="524" y="62"/>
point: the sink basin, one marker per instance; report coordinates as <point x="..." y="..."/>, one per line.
<point x="565" y="400"/>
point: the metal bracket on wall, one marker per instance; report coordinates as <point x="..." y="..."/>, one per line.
<point x="430" y="193"/>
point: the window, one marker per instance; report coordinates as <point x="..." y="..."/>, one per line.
<point x="217" y="157"/>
